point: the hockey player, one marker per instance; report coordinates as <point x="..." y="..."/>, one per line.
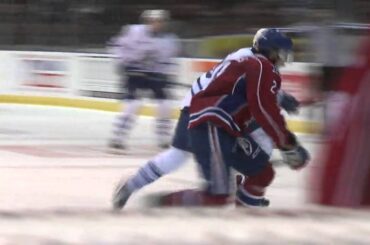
<point x="174" y="157"/>
<point x="220" y="112"/>
<point x="144" y="54"/>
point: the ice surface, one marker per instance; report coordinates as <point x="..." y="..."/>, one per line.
<point x="57" y="177"/>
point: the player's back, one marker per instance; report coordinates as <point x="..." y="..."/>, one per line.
<point x="222" y="92"/>
<point x="202" y="82"/>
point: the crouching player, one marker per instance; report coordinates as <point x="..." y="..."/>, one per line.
<point x="240" y="90"/>
<point x="174" y="157"/>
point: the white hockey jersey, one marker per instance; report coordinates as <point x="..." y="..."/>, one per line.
<point x="136" y="47"/>
<point x="203" y="81"/>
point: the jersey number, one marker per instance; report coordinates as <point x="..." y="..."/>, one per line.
<point x="273" y="87"/>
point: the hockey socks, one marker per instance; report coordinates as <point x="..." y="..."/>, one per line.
<point x="162" y="164"/>
<point x="251" y="190"/>
<point x="163" y="123"/>
<point x="124" y="122"/>
<point x="190" y="198"/>
<point x="146" y="175"/>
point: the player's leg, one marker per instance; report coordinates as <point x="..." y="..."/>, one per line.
<point x="252" y="186"/>
<point x="216" y="151"/>
<point x="162" y="164"/>
<point x="207" y="146"/>
<point x="124" y="123"/>
<point x="126" y="119"/>
<point x="163" y="122"/>
<point x="246" y="156"/>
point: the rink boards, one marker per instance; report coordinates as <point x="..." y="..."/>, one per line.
<point x="90" y="81"/>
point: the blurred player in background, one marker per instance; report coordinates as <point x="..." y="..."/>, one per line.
<point x="174" y="157"/>
<point x="344" y="178"/>
<point x="331" y="60"/>
<point x="145" y="53"/>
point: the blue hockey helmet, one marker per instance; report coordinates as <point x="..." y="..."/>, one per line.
<point x="273" y="44"/>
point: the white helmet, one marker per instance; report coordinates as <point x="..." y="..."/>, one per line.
<point x="155" y="14"/>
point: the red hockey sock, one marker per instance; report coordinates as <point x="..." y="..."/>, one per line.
<point x="257" y="184"/>
<point x="194" y="198"/>
<point x="366" y="199"/>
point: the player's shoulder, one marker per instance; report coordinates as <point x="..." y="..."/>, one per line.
<point x="260" y="62"/>
<point x="264" y="61"/>
<point x="240" y="54"/>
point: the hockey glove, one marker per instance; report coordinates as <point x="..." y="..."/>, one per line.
<point x="296" y="158"/>
<point x="288" y="102"/>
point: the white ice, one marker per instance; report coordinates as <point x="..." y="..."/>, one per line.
<point x="57" y="177"/>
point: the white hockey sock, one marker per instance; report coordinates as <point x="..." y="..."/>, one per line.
<point x="124" y="122"/>
<point x="146" y="175"/>
<point x="164" y="163"/>
<point x="163" y="122"/>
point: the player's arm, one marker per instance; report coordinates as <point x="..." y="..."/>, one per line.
<point x="115" y="43"/>
<point x="127" y="45"/>
<point x="288" y="102"/>
<point x="262" y="92"/>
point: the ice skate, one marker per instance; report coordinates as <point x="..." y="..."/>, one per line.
<point x="262" y="203"/>
<point x="117" y="147"/>
<point x="116" y="144"/>
<point x="243" y="200"/>
<point x="120" y="196"/>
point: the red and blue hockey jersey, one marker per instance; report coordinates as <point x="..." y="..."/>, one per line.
<point x="239" y="89"/>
